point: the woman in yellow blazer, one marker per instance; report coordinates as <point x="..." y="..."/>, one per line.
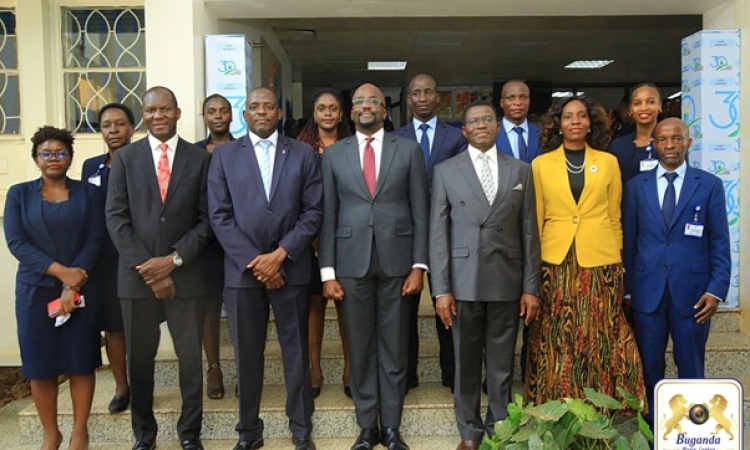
<point x="581" y="338"/>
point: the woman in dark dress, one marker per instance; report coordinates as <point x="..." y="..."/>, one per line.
<point x="117" y="123"/>
<point x="217" y="116"/>
<point x="54" y="226"/>
<point x="635" y="150"/>
<point x="326" y="127"/>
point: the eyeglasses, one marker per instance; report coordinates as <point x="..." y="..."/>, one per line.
<point x="474" y="121"/>
<point x="676" y="139"/>
<point x="372" y="101"/>
<point x="46" y="156"/>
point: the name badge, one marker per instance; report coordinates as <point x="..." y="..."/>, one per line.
<point x="694" y="230"/>
<point x="96" y="180"/>
<point x="649" y="164"/>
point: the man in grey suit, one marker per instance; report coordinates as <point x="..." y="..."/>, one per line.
<point x="373" y="253"/>
<point x="157" y="216"/>
<point x="486" y="266"/>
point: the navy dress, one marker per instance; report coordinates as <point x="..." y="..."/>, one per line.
<point x="103" y="280"/>
<point x="39" y="233"/>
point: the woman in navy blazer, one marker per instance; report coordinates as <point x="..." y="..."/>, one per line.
<point x="54" y="226"/>
<point x="635" y="151"/>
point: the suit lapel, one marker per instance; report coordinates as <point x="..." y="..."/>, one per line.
<point x="282" y="150"/>
<point x="503" y="144"/>
<point x="590" y="174"/>
<point x="352" y="157"/>
<point x="247" y="154"/>
<point x="651" y="193"/>
<point x="503" y="184"/>
<point x="36" y="217"/>
<point x="387" y="153"/>
<point x="437" y="144"/>
<point x="689" y="186"/>
<point x="560" y="171"/>
<point x="466" y="166"/>
<point x="181" y="158"/>
<point x="145" y="162"/>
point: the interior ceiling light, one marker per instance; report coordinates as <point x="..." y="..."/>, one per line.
<point x="564" y="94"/>
<point x="675" y="95"/>
<point x="386" y="65"/>
<point x="590" y="64"/>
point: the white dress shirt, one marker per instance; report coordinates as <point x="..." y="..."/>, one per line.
<point x="430" y="131"/>
<point x="154" y="143"/>
<point x="661" y="182"/>
<point x="273" y="139"/>
<point x="478" y="164"/>
<point x="513" y="136"/>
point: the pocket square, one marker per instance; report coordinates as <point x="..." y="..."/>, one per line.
<point x="519" y="187"/>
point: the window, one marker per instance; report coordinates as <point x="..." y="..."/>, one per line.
<point x="104" y="55"/>
<point x="10" y="101"/>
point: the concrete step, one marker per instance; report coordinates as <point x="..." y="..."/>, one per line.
<point x="727" y="355"/>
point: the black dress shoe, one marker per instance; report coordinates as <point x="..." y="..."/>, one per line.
<point x="303" y="444"/>
<point x="249" y="445"/>
<point x="348" y="391"/>
<point x="391" y="438"/>
<point x="192" y="444"/>
<point x="316" y="391"/>
<point x="119" y="403"/>
<point x="144" y="445"/>
<point x="412" y="383"/>
<point x="367" y="439"/>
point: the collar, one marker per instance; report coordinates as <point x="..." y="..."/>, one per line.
<point x="254" y="138"/>
<point x="378" y="136"/>
<point x="475" y="152"/>
<point x="680" y="171"/>
<point x="171" y="142"/>
<point x="432" y="123"/>
<point x="508" y="126"/>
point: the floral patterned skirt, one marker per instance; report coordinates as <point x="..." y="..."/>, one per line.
<point x="581" y="337"/>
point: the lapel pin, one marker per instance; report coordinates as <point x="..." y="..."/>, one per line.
<point x="593" y="169"/>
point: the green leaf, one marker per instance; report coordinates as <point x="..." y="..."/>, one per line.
<point x="489" y="444"/>
<point x="566" y="429"/>
<point x="639" y="442"/>
<point x="524" y="435"/>
<point x="535" y="442"/>
<point x="645" y="429"/>
<point x="516" y="446"/>
<point x="549" y="441"/>
<point x="549" y="411"/>
<point x="595" y="430"/>
<point x="504" y="431"/>
<point x="602" y="400"/>
<point x="581" y="409"/>
<point x="621" y="443"/>
<point x="630" y="399"/>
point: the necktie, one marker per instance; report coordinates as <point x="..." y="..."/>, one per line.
<point x="264" y="162"/>
<point x="669" y="203"/>
<point x="368" y="166"/>
<point x="522" y="149"/>
<point x="488" y="183"/>
<point x="163" y="172"/>
<point x="425" y="143"/>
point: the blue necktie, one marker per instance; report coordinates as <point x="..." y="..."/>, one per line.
<point x="264" y="162"/>
<point x="425" y="143"/>
<point x="669" y="203"/>
<point x="522" y="149"/>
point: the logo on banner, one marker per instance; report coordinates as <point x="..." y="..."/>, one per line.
<point x="720" y="62"/>
<point x="229" y="67"/>
<point x="718" y="167"/>
<point x="697" y="66"/>
<point x="685" y="86"/>
<point x="699" y="414"/>
<point x="729" y="98"/>
<point x="685" y="48"/>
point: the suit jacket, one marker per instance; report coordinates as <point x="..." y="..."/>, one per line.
<point x="657" y="255"/>
<point x="397" y="214"/>
<point x="92" y="166"/>
<point x="628" y="156"/>
<point x="29" y="239"/>
<point x="532" y="146"/>
<point x="593" y="223"/>
<point x="247" y="224"/>
<point x="483" y="252"/>
<point x="447" y="143"/>
<point x="142" y="227"/>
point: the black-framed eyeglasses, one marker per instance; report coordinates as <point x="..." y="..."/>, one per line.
<point x="474" y="121"/>
<point x="46" y="156"/>
<point x="372" y="101"/>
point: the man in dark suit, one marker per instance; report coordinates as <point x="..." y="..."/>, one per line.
<point x="373" y="253"/>
<point x="157" y="216"/>
<point x="517" y="136"/>
<point x="439" y="141"/>
<point x="676" y="256"/>
<point x="265" y="194"/>
<point x="486" y="266"/>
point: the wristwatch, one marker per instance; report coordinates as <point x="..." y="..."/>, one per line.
<point x="176" y="259"/>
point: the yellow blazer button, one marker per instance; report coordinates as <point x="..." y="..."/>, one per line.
<point x="575" y="219"/>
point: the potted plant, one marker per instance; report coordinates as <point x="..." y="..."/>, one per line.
<point x="581" y="424"/>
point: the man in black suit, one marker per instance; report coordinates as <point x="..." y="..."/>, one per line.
<point x="265" y="199"/>
<point x="157" y="216"/>
<point x="439" y="141"/>
<point x="373" y="252"/>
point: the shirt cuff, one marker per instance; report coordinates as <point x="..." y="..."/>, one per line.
<point x="716" y="297"/>
<point x="421" y="266"/>
<point x="327" y="274"/>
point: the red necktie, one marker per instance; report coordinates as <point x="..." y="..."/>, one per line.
<point x="162" y="172"/>
<point x="368" y="166"/>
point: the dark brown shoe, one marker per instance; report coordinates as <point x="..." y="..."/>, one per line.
<point x="468" y="445"/>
